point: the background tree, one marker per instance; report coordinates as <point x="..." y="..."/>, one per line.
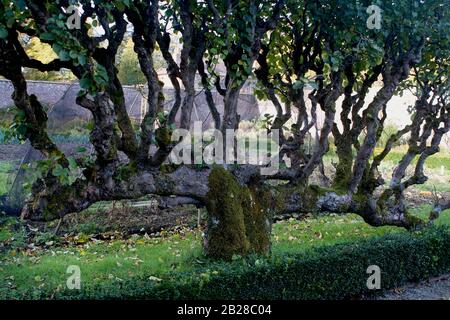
<point x="323" y="44"/>
<point x="128" y="65"/>
<point x="44" y="53"/>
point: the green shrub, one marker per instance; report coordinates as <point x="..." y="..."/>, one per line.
<point x="331" y="272"/>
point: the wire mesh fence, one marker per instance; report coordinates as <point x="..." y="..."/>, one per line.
<point x="69" y="126"/>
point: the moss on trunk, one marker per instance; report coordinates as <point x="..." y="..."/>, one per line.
<point x="258" y="217"/>
<point x="344" y="166"/>
<point x="239" y="219"/>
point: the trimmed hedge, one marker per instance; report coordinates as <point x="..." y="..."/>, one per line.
<point x="332" y="272"/>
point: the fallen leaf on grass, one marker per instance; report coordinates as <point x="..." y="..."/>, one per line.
<point x="152" y="278"/>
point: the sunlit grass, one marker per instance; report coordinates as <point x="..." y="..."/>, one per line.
<point x="436" y="161"/>
<point x="118" y="260"/>
<point x="100" y="262"/>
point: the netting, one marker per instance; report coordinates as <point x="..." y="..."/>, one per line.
<point x="249" y="108"/>
<point x="12" y="156"/>
<point x="69" y="126"/>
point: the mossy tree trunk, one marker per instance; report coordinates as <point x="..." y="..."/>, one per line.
<point x="239" y="222"/>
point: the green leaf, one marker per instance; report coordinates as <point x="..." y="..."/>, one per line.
<point x="58" y="171"/>
<point x="72" y="163"/>
<point x="64" y="55"/>
<point x="47" y="36"/>
<point x="314" y="85"/>
<point x="298" y="85"/>
<point x="86" y="83"/>
<point x="3" y="32"/>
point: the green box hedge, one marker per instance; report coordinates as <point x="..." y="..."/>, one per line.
<point x="332" y="272"/>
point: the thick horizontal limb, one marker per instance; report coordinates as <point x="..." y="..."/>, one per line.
<point x="188" y="185"/>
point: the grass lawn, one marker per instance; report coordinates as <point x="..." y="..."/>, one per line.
<point x="44" y="267"/>
<point x="437" y="167"/>
<point x="436" y="161"/>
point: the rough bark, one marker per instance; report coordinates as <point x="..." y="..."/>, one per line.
<point x="35" y="115"/>
<point x="209" y="97"/>
<point x="394" y="73"/>
<point x="189" y="183"/>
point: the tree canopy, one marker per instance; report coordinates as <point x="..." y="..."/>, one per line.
<point x="300" y="52"/>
